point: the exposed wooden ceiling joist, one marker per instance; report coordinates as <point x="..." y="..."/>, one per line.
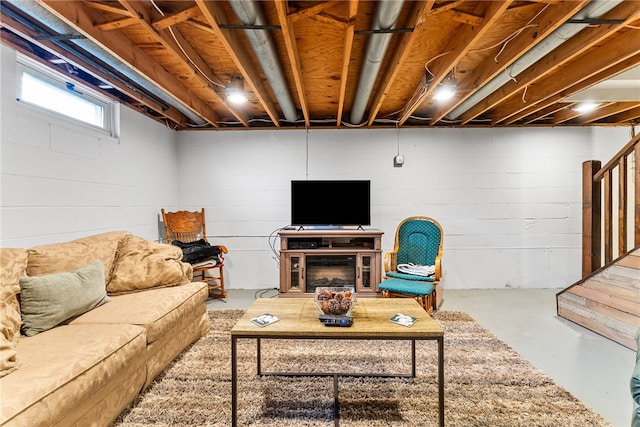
<point x="190" y="50"/>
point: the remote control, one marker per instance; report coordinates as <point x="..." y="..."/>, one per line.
<point x="332" y="320"/>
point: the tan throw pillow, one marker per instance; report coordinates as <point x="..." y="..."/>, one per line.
<point x="144" y="264"/>
<point x="13" y="265"/>
<point x="47" y="301"/>
<point x="69" y="256"/>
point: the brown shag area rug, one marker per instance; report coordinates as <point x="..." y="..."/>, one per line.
<point x="486" y="384"/>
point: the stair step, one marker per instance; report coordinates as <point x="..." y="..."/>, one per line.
<point x="620" y="276"/>
<point x="603" y="291"/>
<point x="631" y="261"/>
<point x="618" y="326"/>
<point x="608" y="302"/>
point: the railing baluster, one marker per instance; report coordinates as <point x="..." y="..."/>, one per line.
<point x="622" y="205"/>
<point x="608" y="207"/>
<point x="636" y="231"/>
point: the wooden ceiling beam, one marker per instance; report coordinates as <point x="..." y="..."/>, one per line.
<point x="349" y="34"/>
<point x="566" y="52"/>
<point x="546" y="113"/>
<point x="631" y="116"/>
<point x="117" y="24"/>
<point x="176" y="18"/>
<point x="308" y="12"/>
<point x="607" y="110"/>
<point x="539" y="101"/>
<point x="466" y="18"/>
<point x="178" y="47"/>
<point x="77" y="16"/>
<point x="331" y="20"/>
<point x="461" y="42"/>
<point x="151" y="42"/>
<point x="448" y="6"/>
<point x="568" y="114"/>
<point x="215" y="15"/>
<point x="107" y="8"/>
<point x="289" y="36"/>
<point x="540" y="26"/>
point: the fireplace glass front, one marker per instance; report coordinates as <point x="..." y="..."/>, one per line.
<point x="330" y="270"/>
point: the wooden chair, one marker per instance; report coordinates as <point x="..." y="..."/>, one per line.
<point x="418" y="241"/>
<point x="188" y="227"/>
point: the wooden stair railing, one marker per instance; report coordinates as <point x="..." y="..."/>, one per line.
<point x="610" y="224"/>
<point x="607" y="298"/>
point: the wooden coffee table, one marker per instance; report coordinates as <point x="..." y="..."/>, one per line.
<point x="298" y="319"/>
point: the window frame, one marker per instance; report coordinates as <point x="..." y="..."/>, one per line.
<point x="57" y="80"/>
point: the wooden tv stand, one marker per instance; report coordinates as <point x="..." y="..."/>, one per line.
<point x="330" y="257"/>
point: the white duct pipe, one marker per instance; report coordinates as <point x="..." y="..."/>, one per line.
<point x="594" y="9"/>
<point x="249" y="13"/>
<point x="33" y="9"/>
<point x="387" y="14"/>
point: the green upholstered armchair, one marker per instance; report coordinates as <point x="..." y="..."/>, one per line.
<point x="414" y="267"/>
<point x="635" y="386"/>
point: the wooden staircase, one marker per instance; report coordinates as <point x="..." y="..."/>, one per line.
<point x="607" y="299"/>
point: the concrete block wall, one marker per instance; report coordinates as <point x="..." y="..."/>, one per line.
<point x="509" y="200"/>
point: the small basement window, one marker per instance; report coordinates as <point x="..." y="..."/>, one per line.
<point x="46" y="89"/>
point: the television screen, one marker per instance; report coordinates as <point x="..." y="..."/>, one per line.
<point x="331" y="203"/>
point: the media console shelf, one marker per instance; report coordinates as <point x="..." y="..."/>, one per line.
<point x="340" y="257"/>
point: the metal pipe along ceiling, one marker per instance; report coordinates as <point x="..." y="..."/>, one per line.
<point x="250" y="13"/>
<point x="387" y="14"/>
<point x="594" y="9"/>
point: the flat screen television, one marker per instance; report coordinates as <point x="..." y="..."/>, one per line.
<point x="331" y="203"/>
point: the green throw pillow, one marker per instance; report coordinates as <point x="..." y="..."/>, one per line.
<point x="47" y="301"/>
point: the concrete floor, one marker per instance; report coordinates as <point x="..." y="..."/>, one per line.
<point x="594" y="369"/>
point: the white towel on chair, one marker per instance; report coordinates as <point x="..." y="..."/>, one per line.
<point x="417" y="269"/>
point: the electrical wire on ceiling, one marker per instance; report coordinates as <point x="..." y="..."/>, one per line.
<point x="175" y="39"/>
<point x="512" y="36"/>
<point x="426" y="65"/>
<point x="524" y="94"/>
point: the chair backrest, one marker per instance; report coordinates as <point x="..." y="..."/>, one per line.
<point x="184" y="226"/>
<point x="418" y="241"/>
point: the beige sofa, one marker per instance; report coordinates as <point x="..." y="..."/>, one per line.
<point x="141" y="310"/>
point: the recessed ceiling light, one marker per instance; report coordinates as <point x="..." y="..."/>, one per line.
<point x="236" y="97"/>
<point x="585" y="107"/>
<point x="235" y="91"/>
<point x="446" y="90"/>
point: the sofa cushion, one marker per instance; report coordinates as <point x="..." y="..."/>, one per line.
<point x="47" y="301"/>
<point x="65" y="366"/>
<point x="69" y="256"/>
<point x="157" y="310"/>
<point x="13" y="265"/>
<point x="144" y="264"/>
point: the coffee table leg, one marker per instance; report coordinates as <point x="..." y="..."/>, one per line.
<point x="441" y="380"/>
<point x="413" y="358"/>
<point x="336" y="402"/>
<point x="234" y="383"/>
<point x="259" y="357"/>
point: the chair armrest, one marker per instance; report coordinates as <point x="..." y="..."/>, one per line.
<point x="223" y="248"/>
<point x="438" y="264"/>
<point x="390" y="261"/>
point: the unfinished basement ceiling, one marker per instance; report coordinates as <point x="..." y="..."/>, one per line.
<point x="346" y="64"/>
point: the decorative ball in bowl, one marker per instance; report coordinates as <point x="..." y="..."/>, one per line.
<point x="335" y="300"/>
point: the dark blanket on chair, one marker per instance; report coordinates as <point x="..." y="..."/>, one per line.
<point x="198" y="251"/>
